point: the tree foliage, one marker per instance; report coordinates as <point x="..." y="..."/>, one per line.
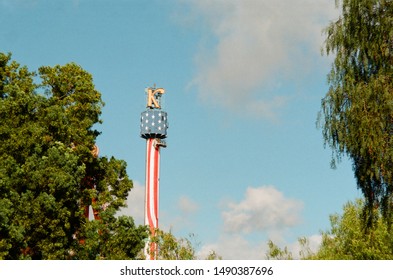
<point x="357" y="111"/>
<point x="170" y="247"/>
<point x="347" y="239"/>
<point x="276" y="253"/>
<point x="48" y="175"/>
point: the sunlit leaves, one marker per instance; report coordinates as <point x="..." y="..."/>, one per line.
<point x="347" y="238"/>
<point x="357" y="111"/>
<point x="172" y="248"/>
<point x="48" y="174"/>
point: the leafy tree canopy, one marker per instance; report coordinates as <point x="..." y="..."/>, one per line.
<point x="48" y="174"/>
<point x="346" y="239"/>
<point x="357" y="111"/>
<point x="170" y="247"/>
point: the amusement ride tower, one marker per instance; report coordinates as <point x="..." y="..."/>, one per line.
<point x="154" y="125"/>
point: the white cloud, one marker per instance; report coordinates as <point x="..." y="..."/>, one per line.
<point x="234" y="247"/>
<point x="263" y="214"/>
<point x="238" y="247"/>
<point x="255" y="46"/>
<point x="182" y="217"/>
<point x="263" y="209"/>
<point x="187" y="206"/>
<point x="135" y="204"/>
<point x="314" y="241"/>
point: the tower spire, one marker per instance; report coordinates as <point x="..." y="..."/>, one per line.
<point x="154" y="125"/>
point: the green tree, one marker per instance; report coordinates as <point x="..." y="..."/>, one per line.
<point x="347" y="240"/>
<point x="276" y="253"/>
<point x="213" y="256"/>
<point x="357" y="111"/>
<point x="172" y="248"/>
<point x="48" y="174"/>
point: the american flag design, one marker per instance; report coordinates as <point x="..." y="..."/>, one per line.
<point x="152" y="191"/>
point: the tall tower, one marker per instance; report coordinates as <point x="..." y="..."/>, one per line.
<point x="154" y="125"/>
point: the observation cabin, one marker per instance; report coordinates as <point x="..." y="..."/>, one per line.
<point x="154" y="121"/>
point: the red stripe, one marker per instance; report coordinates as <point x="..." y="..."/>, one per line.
<point x="148" y="183"/>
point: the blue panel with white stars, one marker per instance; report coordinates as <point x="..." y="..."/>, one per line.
<point x="154" y="124"/>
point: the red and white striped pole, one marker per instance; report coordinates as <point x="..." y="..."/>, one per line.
<point x="153" y="128"/>
<point x="152" y="189"/>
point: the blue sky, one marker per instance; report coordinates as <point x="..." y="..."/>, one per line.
<point x="245" y="161"/>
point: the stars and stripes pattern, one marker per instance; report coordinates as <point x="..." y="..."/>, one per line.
<point x="154" y="124"/>
<point x="152" y="190"/>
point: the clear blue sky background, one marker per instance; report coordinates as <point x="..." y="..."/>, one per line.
<point x="244" y="80"/>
